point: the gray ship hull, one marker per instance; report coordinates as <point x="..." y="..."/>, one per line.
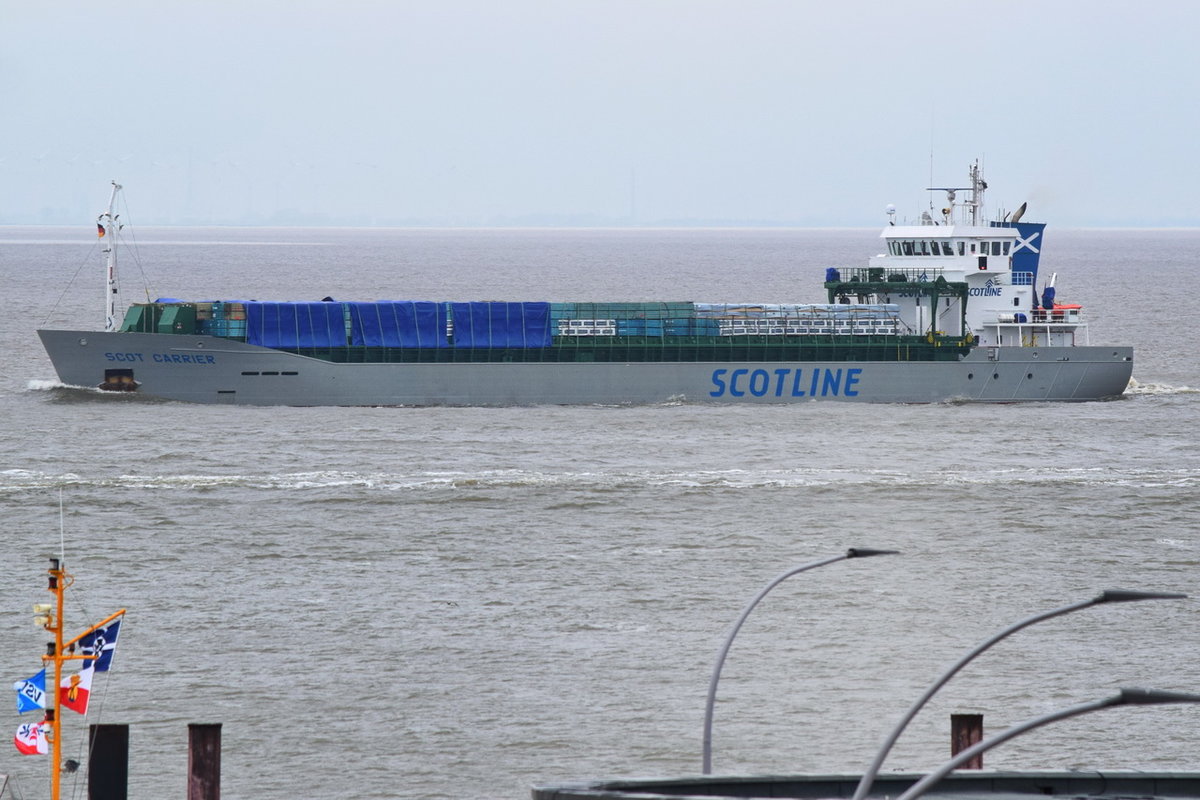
<point x="205" y="369"/>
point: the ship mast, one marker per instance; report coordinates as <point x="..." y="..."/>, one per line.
<point x="108" y="228"/>
<point x="973" y="206"/>
<point x="978" y="185"/>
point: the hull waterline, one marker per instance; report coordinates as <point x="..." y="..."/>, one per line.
<point x="206" y="369"/>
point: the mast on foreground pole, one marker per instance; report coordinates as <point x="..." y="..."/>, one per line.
<point x="59" y="651"/>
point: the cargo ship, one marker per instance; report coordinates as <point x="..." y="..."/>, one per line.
<point x="950" y="310"/>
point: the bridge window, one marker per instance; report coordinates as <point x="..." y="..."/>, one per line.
<point x="961" y="248"/>
<point x="908" y="248"/>
<point x="995" y="248"/>
<point x="1006" y="246"/>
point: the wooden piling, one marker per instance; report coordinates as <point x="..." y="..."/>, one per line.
<point x="108" y="762"/>
<point x="204" y="762"/>
<point x="966" y="730"/>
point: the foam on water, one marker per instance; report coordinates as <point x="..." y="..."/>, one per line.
<point x="463" y="482"/>
<point x="1137" y="388"/>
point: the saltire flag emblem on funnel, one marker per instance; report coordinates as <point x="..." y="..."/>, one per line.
<point x="31" y="693"/>
<point x="102" y="643"/>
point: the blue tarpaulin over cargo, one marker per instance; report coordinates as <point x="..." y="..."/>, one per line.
<point x="289" y="325"/>
<point x="398" y="323"/>
<point x="501" y="324"/>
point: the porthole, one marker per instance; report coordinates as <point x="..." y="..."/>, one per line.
<point x="995" y="376"/>
<point x="1029" y="375"/>
<point x="970" y="376"/>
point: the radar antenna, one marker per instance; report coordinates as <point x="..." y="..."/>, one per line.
<point x="975" y="203"/>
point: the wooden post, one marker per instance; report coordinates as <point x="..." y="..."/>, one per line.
<point x="108" y="762"/>
<point x="966" y="730"/>
<point x="204" y="762"/>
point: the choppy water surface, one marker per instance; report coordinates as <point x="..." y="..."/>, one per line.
<point x="437" y="603"/>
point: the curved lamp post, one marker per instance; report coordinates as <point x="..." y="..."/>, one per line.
<point x="1137" y="697"/>
<point x="1110" y="596"/>
<point x="853" y="552"/>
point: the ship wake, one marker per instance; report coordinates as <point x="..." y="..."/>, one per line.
<point x="64" y="393"/>
<point x="1138" y="388"/>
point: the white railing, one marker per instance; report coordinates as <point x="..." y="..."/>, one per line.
<point x="810" y="326"/>
<point x="1058" y="317"/>
<point x="890" y="274"/>
<point x="1070" y="316"/>
<point x="1046" y="329"/>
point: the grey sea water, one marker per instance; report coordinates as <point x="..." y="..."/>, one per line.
<point x="460" y="603"/>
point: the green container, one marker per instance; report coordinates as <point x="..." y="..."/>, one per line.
<point x="177" y="319"/>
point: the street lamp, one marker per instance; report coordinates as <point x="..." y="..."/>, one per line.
<point x="853" y="552"/>
<point x="1125" y="697"/>
<point x="1109" y="596"/>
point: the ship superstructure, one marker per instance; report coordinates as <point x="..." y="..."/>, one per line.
<point x="987" y="273"/>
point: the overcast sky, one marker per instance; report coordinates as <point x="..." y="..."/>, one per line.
<point x="574" y="112"/>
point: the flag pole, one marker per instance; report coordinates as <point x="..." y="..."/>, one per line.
<point x="93" y="629"/>
<point x="51" y="618"/>
<point x="58" y="584"/>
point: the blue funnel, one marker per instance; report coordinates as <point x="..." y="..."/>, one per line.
<point x="1028" y="247"/>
